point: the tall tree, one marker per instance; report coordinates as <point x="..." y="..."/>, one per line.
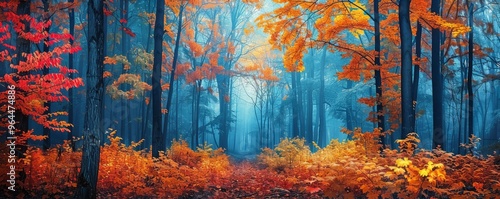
<point x="172" y="72"/>
<point x="93" y="128"/>
<point x="22" y="47"/>
<point x="309" y="108"/>
<point x="46" y="49"/>
<point x="470" y="94"/>
<point x="378" y="77"/>
<point x="416" y="75"/>
<point x="71" y="66"/>
<point x="437" y="81"/>
<point x="406" y="64"/>
<point x="295" y="108"/>
<point x="321" y="101"/>
<point x="157" y="134"/>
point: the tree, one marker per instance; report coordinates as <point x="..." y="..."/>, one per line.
<point x="22" y="47"/>
<point x="378" y="78"/>
<point x="470" y="96"/>
<point x="157" y="134"/>
<point x="437" y="82"/>
<point x="93" y="128"/>
<point x="71" y="66"/>
<point x="34" y="90"/>
<point x="175" y="60"/>
<point x="406" y="63"/>
<point x="321" y="102"/>
<point x="416" y="76"/>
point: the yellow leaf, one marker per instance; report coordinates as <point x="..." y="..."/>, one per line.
<point x="403" y="162"/>
<point x="423" y="172"/>
<point x="399" y="171"/>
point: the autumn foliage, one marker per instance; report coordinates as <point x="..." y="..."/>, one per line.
<point x="341" y="169"/>
<point x="34" y="89"/>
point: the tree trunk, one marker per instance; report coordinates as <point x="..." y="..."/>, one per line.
<point x="309" y="122"/>
<point x="45" y="71"/>
<point x="300" y="107"/>
<point x="87" y="179"/>
<point x="321" y="102"/>
<point x="71" y="66"/>
<point x="22" y="47"/>
<point x="461" y="124"/>
<point x="348" y="111"/>
<point x="437" y="82"/>
<point x="416" y="75"/>
<point x="470" y="97"/>
<point x="172" y="76"/>
<point x="196" y="112"/>
<point x="223" y="85"/>
<point x="157" y="133"/>
<point x="406" y="63"/>
<point x="295" y="109"/>
<point x="125" y="103"/>
<point x="378" y="77"/>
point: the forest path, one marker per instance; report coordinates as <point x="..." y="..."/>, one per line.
<point x="242" y="157"/>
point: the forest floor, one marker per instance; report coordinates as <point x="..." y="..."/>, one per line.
<point x="352" y="169"/>
<point x="248" y="180"/>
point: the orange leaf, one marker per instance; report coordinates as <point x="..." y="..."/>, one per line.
<point x="312" y="189"/>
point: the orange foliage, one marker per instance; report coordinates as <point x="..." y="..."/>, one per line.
<point x="267" y="74"/>
<point x="355" y="169"/>
<point x="107" y="74"/>
<point x="137" y="87"/>
<point x="123" y="171"/>
<point x="351" y="169"/>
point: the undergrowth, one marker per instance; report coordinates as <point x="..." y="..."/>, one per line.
<point x="351" y="169"/>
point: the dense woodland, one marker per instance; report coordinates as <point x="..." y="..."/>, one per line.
<point x="250" y="99"/>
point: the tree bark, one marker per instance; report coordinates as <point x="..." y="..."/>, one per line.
<point x="125" y="127"/>
<point x="348" y="111"/>
<point x="416" y="75"/>
<point x="295" y="110"/>
<point x="93" y="128"/>
<point x="71" y="66"/>
<point x="470" y="97"/>
<point x="321" y="102"/>
<point x="309" y="122"/>
<point x="300" y="106"/>
<point x="378" y="77"/>
<point x="223" y="85"/>
<point x="45" y="71"/>
<point x="437" y="82"/>
<point x="406" y="63"/>
<point x="172" y="76"/>
<point x="157" y="133"/>
<point x="22" y="47"/>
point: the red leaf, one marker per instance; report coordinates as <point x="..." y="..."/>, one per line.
<point x="312" y="189"/>
<point x="107" y="12"/>
<point x="128" y="31"/>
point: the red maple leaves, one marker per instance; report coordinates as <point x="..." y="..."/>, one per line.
<point x="34" y="89"/>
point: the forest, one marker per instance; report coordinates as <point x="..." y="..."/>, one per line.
<point x="250" y="99"/>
